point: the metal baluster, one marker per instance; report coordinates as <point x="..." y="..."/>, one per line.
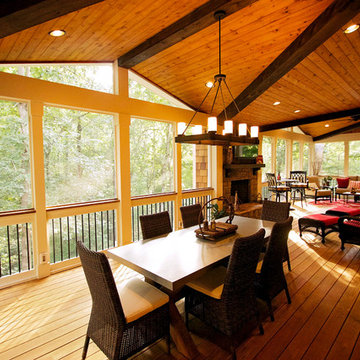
<point x="8" y="240"/>
<point x="18" y="246"/>
<point x="96" y="245"/>
<point x="113" y="213"/>
<point x="53" y="238"/>
<point x="89" y="231"/>
<point x="102" y="229"/>
<point x="27" y="245"/>
<point x="76" y="238"/>
<point x="68" y="234"/>
<point x="82" y="227"/>
<point x="107" y="226"/>
<point x="61" y="245"/>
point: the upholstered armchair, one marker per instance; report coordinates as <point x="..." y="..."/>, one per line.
<point x="349" y="230"/>
<point x="315" y="191"/>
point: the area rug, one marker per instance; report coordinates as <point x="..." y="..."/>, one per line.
<point x="337" y="202"/>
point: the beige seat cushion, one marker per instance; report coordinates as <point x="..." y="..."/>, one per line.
<point x="341" y="190"/>
<point x="139" y="298"/>
<point x="323" y="192"/>
<point x="211" y="283"/>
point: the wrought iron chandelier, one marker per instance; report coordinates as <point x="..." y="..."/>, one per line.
<point x="211" y="137"/>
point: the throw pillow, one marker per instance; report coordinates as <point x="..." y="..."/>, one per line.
<point x="354" y="185"/>
<point x="343" y="182"/>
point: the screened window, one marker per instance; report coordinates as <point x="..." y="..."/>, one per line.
<point x="78" y="155"/>
<point x="296" y="155"/>
<point x="151" y="157"/>
<point x="15" y="186"/>
<point x="93" y="77"/>
<point x="141" y="89"/>
<point x="194" y="165"/>
<point x="281" y="157"/>
<point x="266" y="152"/>
<point x="354" y="157"/>
<point x="306" y="157"/>
<point x="331" y="157"/>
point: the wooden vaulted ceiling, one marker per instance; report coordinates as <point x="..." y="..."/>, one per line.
<point x="326" y="81"/>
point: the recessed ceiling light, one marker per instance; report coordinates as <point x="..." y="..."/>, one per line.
<point x="276" y="103"/>
<point x="327" y="125"/>
<point x="297" y="111"/>
<point x="57" y="33"/>
<point x="209" y="84"/>
<point x="351" y="29"/>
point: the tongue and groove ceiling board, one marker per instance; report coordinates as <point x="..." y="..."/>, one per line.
<point x="328" y="80"/>
<point x="101" y="32"/>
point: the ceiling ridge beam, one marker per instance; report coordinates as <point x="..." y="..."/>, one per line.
<point x="337" y="132"/>
<point x="310" y="120"/>
<point x="190" y="24"/>
<point x="328" y="23"/>
<point x="18" y="15"/>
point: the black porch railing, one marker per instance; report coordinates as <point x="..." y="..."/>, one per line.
<point x="137" y="211"/>
<point x="198" y="200"/>
<point x="97" y="230"/>
<point x="16" y="250"/>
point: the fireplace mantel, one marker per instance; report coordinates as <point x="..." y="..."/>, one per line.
<point x="229" y="167"/>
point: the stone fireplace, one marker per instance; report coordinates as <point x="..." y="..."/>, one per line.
<point x="243" y="179"/>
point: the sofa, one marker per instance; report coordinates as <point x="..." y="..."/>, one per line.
<point x="346" y="184"/>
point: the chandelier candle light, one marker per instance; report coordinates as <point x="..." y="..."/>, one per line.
<point x="211" y="137"/>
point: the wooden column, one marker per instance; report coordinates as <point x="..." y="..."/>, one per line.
<point x="40" y="238"/>
<point x="123" y="180"/>
<point x="177" y="182"/>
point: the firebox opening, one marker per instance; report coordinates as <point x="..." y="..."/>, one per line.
<point x="242" y="188"/>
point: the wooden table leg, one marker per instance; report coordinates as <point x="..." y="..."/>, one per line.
<point x="180" y="334"/>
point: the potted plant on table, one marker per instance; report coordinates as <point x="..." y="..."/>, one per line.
<point x="327" y="180"/>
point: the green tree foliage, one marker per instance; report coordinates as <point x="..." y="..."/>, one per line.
<point x="281" y="157"/>
<point x="151" y="157"/>
<point x="86" y="76"/>
<point x="296" y="156"/>
<point x="354" y="157"/>
<point x="331" y="157"/>
<point x="15" y="157"/>
<point x="140" y="92"/>
<point x="78" y="156"/>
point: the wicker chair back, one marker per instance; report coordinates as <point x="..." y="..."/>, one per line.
<point x="275" y="211"/>
<point x="155" y="224"/>
<point x="190" y="215"/>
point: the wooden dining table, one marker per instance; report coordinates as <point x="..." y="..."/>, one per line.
<point x="178" y="257"/>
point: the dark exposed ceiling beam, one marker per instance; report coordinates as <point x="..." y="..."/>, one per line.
<point x="190" y="24"/>
<point x="337" y="132"/>
<point x="310" y="120"/>
<point x="17" y="15"/>
<point x="328" y="23"/>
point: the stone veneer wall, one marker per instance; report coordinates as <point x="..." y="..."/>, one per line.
<point x="201" y="166"/>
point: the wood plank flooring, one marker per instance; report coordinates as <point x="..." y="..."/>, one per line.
<point x="47" y="318"/>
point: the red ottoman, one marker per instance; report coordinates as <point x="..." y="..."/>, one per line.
<point x="316" y="222"/>
<point x="343" y="211"/>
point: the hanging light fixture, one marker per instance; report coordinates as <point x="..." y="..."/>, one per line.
<point x="211" y="137"/>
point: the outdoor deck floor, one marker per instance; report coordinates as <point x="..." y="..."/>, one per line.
<point x="47" y="318"/>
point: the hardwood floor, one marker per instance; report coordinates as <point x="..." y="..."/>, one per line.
<point x="47" y="318"/>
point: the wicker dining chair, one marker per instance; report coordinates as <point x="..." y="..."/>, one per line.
<point x="190" y="215"/>
<point x="155" y="224"/>
<point x="271" y="280"/>
<point x="224" y="298"/>
<point x="299" y="186"/>
<point x="278" y="212"/>
<point x="126" y="319"/>
<point x="276" y="188"/>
